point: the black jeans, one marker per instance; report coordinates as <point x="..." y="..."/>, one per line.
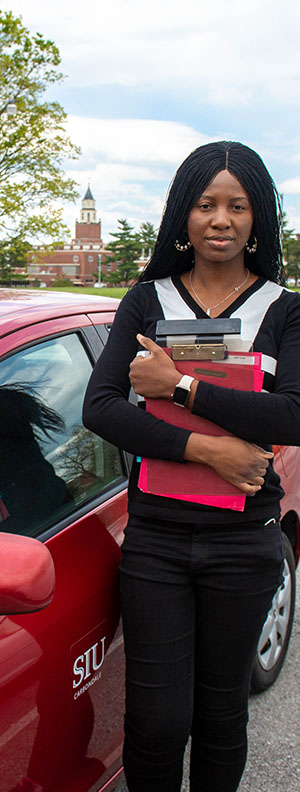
<point x="194" y="599"/>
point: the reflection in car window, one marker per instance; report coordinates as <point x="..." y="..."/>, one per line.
<point x="49" y="463"/>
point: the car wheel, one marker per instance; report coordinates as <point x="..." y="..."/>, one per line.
<point x="274" y="639"/>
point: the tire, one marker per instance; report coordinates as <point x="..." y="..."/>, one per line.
<point x="275" y="635"/>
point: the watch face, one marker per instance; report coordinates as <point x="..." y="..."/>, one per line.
<point x="181" y="396"/>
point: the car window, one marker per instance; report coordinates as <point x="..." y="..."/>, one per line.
<point x="49" y="463"/>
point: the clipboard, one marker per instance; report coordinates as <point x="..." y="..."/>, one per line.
<point x="191" y="481"/>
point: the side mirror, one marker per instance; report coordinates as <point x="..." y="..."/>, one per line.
<point x="27" y="574"/>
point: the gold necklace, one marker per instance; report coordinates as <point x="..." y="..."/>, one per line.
<point x="207" y="309"/>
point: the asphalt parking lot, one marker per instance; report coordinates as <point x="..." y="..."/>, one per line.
<point x="274" y="734"/>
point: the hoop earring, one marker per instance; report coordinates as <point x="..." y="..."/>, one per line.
<point x="182" y="248"/>
<point x="252" y="249"/>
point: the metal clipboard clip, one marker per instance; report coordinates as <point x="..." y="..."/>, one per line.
<point x="198" y="339"/>
<point x="199" y="352"/>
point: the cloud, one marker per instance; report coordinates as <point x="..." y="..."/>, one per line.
<point x="134" y="140"/>
<point x="291" y="186"/>
<point x="234" y="53"/>
<point x="206" y="65"/>
<point x="292" y="212"/>
<point x="129" y="164"/>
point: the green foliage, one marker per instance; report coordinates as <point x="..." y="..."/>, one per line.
<point x="104" y="292"/>
<point x="287" y="233"/>
<point x="291" y="251"/>
<point x="61" y="282"/>
<point x="33" y="143"/>
<point x="14" y="280"/>
<point x="125" y="250"/>
<point x="146" y="238"/>
<point x="292" y="258"/>
<point x="13" y="255"/>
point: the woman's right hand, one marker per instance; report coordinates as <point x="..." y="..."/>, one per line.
<point x="237" y="461"/>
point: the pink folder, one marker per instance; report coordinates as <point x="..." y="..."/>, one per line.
<point x="195" y="482"/>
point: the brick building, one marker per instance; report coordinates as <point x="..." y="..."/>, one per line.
<point x="79" y="259"/>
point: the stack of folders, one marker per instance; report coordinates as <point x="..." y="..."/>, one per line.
<point x="194" y="481"/>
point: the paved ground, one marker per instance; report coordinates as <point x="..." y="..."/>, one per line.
<point x="274" y="733"/>
<point x="274" y="729"/>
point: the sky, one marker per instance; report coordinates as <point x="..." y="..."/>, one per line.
<point x="147" y="81"/>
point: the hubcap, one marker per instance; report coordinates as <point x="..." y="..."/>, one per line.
<point x="274" y="631"/>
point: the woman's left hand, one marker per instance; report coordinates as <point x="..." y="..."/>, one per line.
<point x="155" y="375"/>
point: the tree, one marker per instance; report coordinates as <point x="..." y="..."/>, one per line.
<point x="291" y="251"/>
<point x="146" y="238"/>
<point x="287" y="233"/>
<point x="33" y="142"/>
<point x="292" y="257"/>
<point x="11" y="257"/>
<point x="125" y="252"/>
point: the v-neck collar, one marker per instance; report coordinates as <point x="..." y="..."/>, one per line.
<point x="200" y="313"/>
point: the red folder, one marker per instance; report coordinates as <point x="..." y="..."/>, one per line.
<point x="193" y="481"/>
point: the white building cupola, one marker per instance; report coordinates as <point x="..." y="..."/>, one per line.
<point x="88" y="212"/>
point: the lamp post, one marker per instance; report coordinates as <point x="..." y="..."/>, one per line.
<point x="99" y="259"/>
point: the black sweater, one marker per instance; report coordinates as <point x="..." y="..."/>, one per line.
<point x="271" y="319"/>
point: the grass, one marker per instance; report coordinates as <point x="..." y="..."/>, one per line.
<point x="104" y="292"/>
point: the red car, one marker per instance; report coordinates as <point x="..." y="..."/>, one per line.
<point x="61" y="653"/>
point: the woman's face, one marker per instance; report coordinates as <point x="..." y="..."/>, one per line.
<point x="220" y="223"/>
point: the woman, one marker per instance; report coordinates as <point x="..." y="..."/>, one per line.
<point x="197" y="581"/>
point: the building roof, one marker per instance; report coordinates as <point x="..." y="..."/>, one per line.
<point x="88" y="196"/>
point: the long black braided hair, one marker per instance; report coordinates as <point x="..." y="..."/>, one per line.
<point x="190" y="181"/>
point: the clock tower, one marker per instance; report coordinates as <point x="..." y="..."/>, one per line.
<point x="88" y="229"/>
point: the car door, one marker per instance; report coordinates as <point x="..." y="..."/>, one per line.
<point x="61" y="669"/>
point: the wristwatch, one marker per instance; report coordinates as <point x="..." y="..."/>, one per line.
<point x="182" y="391"/>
